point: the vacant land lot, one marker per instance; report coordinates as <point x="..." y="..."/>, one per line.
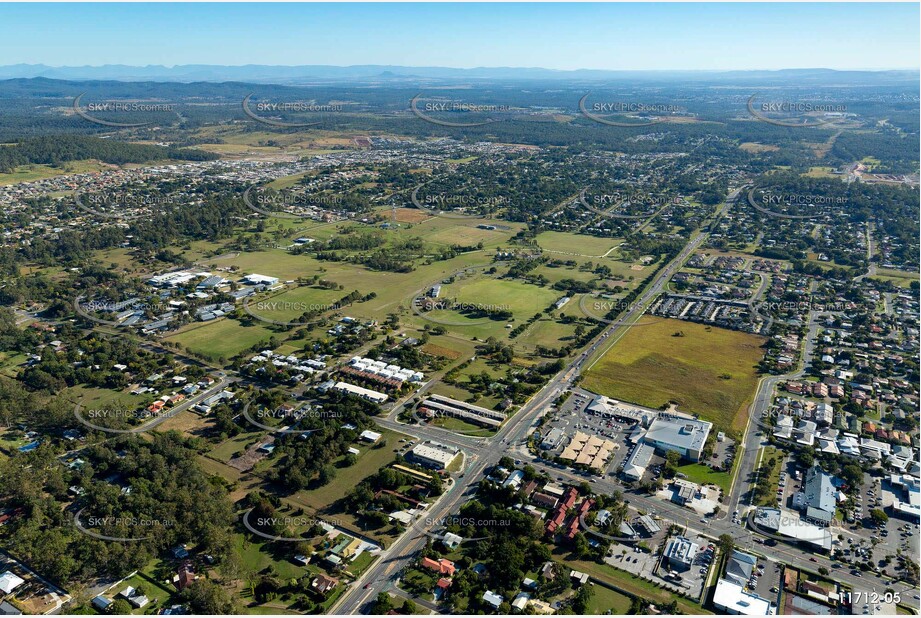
<point x="576" y="244"/>
<point x="706" y="370"/>
<point x="522" y="299"/>
<point x="371" y="459"/>
<point x="705" y="475"/>
<point x="222" y="338"/>
<point x="295" y="301"/>
<point x="28" y="173"/>
<point x="607" y="601"/>
<point x="550" y="333"/>
<point x="446" y="231"/>
<point x="900" y="278"/>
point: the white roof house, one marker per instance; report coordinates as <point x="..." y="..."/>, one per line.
<point x="492" y="598"/>
<point x="521" y="601"/>
<point x="9" y="581"/>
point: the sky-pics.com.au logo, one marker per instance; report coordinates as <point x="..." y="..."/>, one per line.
<point x="96" y="111"/>
<point x="605" y="204"/>
<point x="123" y="206"/>
<point x="312" y="313"/>
<point x="775" y="204"/>
<point x="281" y="203"/>
<point x="138" y="420"/>
<point x="270" y="112"/>
<point x="438" y="528"/>
<point x="424" y="306"/>
<point x="272" y="527"/>
<point x="258" y="416"/>
<point x="804" y="306"/>
<point x="447" y="113"/>
<point x="110" y="528"/>
<point x="622" y="312"/>
<point x="443" y="204"/>
<point x="795" y="113"/>
<point x="637" y="114"/>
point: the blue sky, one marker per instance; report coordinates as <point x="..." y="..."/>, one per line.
<point x="718" y="36"/>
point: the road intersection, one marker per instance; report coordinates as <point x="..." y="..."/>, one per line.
<point x="511" y="440"/>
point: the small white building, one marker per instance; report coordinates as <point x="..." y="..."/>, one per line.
<point x="9" y="581"/>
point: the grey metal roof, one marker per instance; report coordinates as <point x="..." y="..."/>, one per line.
<point x="689" y="434"/>
<point x="820" y="492"/>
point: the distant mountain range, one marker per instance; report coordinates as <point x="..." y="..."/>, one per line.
<point x="312" y="74"/>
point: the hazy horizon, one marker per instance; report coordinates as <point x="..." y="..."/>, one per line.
<point x="610" y="37"/>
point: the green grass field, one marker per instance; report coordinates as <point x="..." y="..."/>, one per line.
<point x="293" y="302"/>
<point x="11" y="363"/>
<point x="226" y="450"/>
<point x="705" y="475"/>
<point x="462" y="394"/>
<point x="558" y="273"/>
<point x="650" y="366"/>
<point x="103" y="398"/>
<point x="578" y="245"/>
<point x="257" y="554"/>
<point x="550" y="333"/>
<point x="220" y="338"/>
<point x="522" y="299"/>
<point x="607" y="601"/>
<point x="900" y="278"/>
<point x="463" y="427"/>
<point x="29" y="173"/>
<point x="447" y="232"/>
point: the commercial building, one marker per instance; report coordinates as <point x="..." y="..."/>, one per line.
<point x="820" y="496"/>
<point x="910" y="508"/>
<point x="731" y="598"/>
<point x="211" y="282"/>
<point x="739" y="567"/>
<point x="552" y="440"/>
<point x="439" y="405"/>
<point x="789" y="524"/>
<point x="176" y="279"/>
<point x="255" y="279"/>
<point x="587" y="450"/>
<point x="649" y="524"/>
<point x="684" y="492"/>
<point x="358" y="391"/>
<point x="606" y="407"/>
<point x="636" y="464"/>
<point x="686" y="436"/>
<point x="680" y="553"/>
<point x="370" y="436"/>
<point x="433" y="455"/>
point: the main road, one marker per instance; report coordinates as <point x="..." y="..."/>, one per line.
<point x="384" y="573"/>
<point x="481" y="453"/>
